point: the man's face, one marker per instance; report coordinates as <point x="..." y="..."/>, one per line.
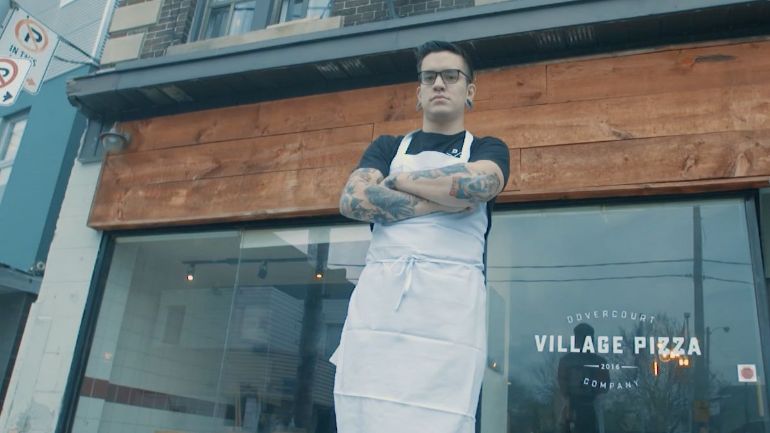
<point x="443" y="101"/>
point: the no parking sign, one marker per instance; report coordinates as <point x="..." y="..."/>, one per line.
<point x="27" y="38"/>
<point x="12" y="76"/>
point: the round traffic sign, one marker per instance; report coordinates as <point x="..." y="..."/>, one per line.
<point x="8" y="72"/>
<point x="31" y="35"/>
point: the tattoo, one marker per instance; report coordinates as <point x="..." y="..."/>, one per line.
<point x="364" y="199"/>
<point x="439" y="172"/>
<point x="476" y="189"/>
<point x="390" y="205"/>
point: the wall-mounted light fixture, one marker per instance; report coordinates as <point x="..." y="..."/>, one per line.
<point x="113" y="140"/>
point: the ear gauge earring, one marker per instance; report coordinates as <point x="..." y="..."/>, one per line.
<point x="469" y="104"/>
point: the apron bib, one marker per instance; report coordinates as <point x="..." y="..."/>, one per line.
<point x="413" y="348"/>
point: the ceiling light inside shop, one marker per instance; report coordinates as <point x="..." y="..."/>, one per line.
<point x="190" y="275"/>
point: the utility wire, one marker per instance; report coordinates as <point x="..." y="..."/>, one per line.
<point x="93" y="61"/>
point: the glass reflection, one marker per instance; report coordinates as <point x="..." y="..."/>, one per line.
<point x="290" y="305"/>
<point x="221" y="332"/>
<point x="607" y="315"/>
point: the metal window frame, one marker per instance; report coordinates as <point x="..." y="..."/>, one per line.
<point x="205" y="14"/>
<point x="753" y="218"/>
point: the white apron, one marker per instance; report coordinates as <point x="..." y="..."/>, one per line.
<point x="413" y="347"/>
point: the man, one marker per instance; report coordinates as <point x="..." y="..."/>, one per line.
<point x="576" y="376"/>
<point x="413" y="347"/>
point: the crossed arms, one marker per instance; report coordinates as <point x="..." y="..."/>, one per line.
<point x="368" y="197"/>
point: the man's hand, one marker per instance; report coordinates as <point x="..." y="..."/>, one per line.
<point x="457" y="185"/>
<point x="365" y="198"/>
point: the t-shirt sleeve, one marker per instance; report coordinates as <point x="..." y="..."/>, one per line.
<point x="380" y="153"/>
<point x="493" y="149"/>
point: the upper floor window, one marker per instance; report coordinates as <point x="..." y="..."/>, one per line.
<point x="233" y="17"/>
<point x="298" y="9"/>
<point x="12" y="129"/>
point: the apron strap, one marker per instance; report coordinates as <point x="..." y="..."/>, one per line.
<point x="466" y="154"/>
<point x="405" y="143"/>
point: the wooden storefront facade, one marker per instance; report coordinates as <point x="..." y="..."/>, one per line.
<point x="673" y="120"/>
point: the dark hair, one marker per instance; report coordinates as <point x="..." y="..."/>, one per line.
<point x="438" y="46"/>
<point x="583" y="331"/>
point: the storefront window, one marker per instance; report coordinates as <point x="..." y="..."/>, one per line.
<point x="221" y="332"/>
<point x="602" y="319"/>
<point x="637" y="318"/>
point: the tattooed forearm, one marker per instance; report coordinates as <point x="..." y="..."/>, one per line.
<point x="462" y="184"/>
<point x="389" y="205"/>
<point x="439" y="172"/>
<point x="366" y="199"/>
<point x="477" y="189"/>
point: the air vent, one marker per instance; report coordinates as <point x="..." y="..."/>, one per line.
<point x="330" y="70"/>
<point x="581" y="35"/>
<point x="549" y="39"/>
<point x="355" y="68"/>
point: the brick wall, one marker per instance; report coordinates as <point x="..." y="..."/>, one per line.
<point x="172" y="28"/>
<point x="364" y="11"/>
<point x="176" y="16"/>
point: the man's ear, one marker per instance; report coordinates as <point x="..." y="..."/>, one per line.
<point x="471" y="92"/>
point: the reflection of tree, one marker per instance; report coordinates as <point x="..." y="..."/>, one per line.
<point x="660" y="403"/>
<point x="535" y="408"/>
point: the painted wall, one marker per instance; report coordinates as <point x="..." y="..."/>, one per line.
<point x="34" y="192"/>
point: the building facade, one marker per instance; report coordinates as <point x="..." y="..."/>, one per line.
<point x="201" y="281"/>
<point x="40" y="135"/>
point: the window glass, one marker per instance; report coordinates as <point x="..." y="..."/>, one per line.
<point x="638" y="318"/>
<point x="12" y="133"/>
<point x="243" y="17"/>
<point x="217" y="22"/>
<point x="156" y="356"/>
<point x="221" y="332"/>
<point x="299" y="9"/>
<point x="318" y="8"/>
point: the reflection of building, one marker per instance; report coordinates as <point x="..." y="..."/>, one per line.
<point x="254" y="133"/>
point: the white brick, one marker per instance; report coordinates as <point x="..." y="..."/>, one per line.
<point x="137" y="15"/>
<point x="70" y="264"/>
<point x="122" y="49"/>
<point x="72" y="232"/>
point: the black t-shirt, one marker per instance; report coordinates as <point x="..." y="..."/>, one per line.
<point x="381" y="152"/>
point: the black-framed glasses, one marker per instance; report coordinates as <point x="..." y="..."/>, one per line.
<point x="448" y="76"/>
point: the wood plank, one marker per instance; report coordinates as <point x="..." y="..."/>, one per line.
<point x="309" y="113"/>
<point x="663" y="159"/>
<point x="514" y="178"/>
<point x="510" y="87"/>
<point x="691" y="112"/>
<point x="277" y="194"/>
<point x="637" y="190"/>
<point x="274" y="194"/>
<point x="673" y="70"/>
<point x="315" y="149"/>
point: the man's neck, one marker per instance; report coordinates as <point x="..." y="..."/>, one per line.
<point x="446" y="128"/>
